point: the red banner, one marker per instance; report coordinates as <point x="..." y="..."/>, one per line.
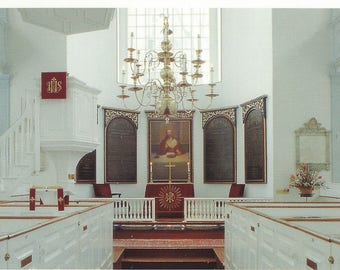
<point x="32" y="199"/>
<point x="53" y="85"/>
<point x="60" y="196"/>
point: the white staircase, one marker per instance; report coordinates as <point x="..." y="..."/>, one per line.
<point x="20" y="149"/>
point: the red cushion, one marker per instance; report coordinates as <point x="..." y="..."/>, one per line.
<point x="102" y="190"/>
<point x="236" y="190"/>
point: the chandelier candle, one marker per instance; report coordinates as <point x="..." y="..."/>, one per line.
<point x="164" y="93"/>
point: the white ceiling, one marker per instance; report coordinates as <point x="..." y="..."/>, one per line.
<point x="69" y="20"/>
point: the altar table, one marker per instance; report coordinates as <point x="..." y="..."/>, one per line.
<point x="169" y="198"/>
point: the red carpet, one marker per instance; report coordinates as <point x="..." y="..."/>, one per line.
<point x="168" y="243"/>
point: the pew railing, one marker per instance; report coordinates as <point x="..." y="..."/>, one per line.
<point x="134" y="209"/>
<point x="211" y="209"/>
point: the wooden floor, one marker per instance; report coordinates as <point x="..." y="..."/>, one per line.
<point x="168" y="244"/>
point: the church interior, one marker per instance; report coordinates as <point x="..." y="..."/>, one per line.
<point x="169" y="138"/>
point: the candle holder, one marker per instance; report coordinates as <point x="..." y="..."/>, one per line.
<point x="163" y="89"/>
<point x="150" y="180"/>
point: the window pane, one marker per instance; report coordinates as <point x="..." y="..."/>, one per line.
<point x="186" y="24"/>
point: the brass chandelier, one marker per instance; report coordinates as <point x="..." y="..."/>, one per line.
<point x="164" y="95"/>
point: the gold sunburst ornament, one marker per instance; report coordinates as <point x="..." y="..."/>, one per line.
<point x="170" y="197"/>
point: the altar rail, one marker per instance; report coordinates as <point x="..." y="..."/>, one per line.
<point x="134" y="209"/>
<point x="211" y="209"/>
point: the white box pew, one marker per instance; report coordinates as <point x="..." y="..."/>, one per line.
<point x="292" y="237"/>
<point x="78" y="238"/>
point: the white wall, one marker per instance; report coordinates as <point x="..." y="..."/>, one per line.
<point x="301" y="51"/>
<point x="31" y="50"/>
<point x="247" y="73"/>
<point x="284" y="54"/>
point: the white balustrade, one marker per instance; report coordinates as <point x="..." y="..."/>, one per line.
<point x="134" y="209"/>
<point x="20" y="144"/>
<point x="210" y="209"/>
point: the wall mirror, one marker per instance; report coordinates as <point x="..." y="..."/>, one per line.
<point x="219" y="145"/>
<point x="255" y="148"/>
<point x="312" y="146"/>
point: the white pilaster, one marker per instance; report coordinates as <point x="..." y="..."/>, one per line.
<point x="4" y="79"/>
<point x="335" y="96"/>
<point x="3" y="40"/>
<point x="4" y="102"/>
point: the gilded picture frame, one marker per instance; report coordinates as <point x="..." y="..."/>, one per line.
<point x="313" y="146"/>
<point x="170" y="148"/>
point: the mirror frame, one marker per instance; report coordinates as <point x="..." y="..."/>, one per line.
<point x="313" y="141"/>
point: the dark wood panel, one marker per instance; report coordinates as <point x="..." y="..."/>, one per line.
<point x="254" y="138"/>
<point x="121" y="151"/>
<point x="219" y="150"/>
<point x="86" y="168"/>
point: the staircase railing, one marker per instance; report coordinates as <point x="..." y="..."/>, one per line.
<point x="20" y="146"/>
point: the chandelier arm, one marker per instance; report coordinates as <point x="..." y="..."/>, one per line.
<point x="140" y="100"/>
<point x="164" y="91"/>
<point x="131" y="109"/>
<point x="150" y="58"/>
<point x="188" y="110"/>
<point x="178" y="93"/>
<point x="178" y="58"/>
<point x="205" y="108"/>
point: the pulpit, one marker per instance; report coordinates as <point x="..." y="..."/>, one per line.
<point x="169" y="198"/>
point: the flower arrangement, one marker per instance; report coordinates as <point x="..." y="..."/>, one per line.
<point x="304" y="178"/>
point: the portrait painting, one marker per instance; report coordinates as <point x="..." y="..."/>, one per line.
<point x="170" y="150"/>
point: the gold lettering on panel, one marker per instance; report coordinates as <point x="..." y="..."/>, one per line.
<point x="54" y="86"/>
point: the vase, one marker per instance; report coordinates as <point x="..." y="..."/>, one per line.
<point x="306" y="191"/>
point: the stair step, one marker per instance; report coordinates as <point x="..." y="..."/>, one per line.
<point x="9" y="178"/>
<point x="168" y="265"/>
<point x="22" y="165"/>
<point x="170" y="259"/>
<point x="169" y="255"/>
